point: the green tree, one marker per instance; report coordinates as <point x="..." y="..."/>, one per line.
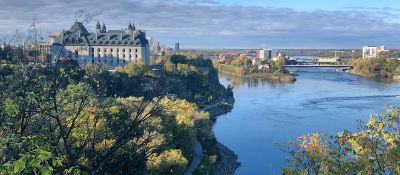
<point x="372" y="150"/>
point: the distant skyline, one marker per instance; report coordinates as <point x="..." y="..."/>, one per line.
<point x="225" y="24"/>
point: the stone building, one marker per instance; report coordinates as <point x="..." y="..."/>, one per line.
<point x="113" y="47"/>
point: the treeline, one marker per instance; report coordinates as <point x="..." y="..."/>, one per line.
<point x="71" y="120"/>
<point x="17" y="54"/>
<point x="243" y="66"/>
<point x="375" y="67"/>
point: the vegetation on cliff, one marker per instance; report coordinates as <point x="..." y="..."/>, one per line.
<point x="68" y="119"/>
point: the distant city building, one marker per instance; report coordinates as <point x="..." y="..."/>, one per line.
<point x="264" y="54"/>
<point x="226" y="57"/>
<point x="45" y="47"/>
<point x="113" y="47"/>
<point x="156" y="44"/>
<point x="256" y="62"/>
<point x="176" y="46"/>
<point x="150" y="40"/>
<point x="370" y="52"/>
<point x="383" y="48"/>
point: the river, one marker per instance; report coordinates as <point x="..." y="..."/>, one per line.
<point x="321" y="100"/>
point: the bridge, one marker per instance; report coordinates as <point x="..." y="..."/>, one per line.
<point x="304" y="66"/>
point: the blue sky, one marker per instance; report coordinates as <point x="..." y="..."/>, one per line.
<point x="226" y="24"/>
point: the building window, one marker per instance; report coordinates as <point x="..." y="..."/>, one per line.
<point x="136" y="56"/>
<point x="98" y="50"/>
<point x="92" y="55"/>
<point x="105" y="50"/>
<point x="117" y="50"/>
<point x="123" y="50"/>
<point x="111" y="50"/>
<point x="130" y="56"/>
<point x="93" y="60"/>
<point x="135" y="50"/>
<point x="124" y="61"/>
<point x="76" y="54"/>
<point x="92" y="50"/>
<point x="123" y="55"/>
<point x="130" y="50"/>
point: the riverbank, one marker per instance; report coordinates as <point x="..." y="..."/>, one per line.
<point x="270" y="76"/>
<point x="227" y="159"/>
<point x="228" y="163"/>
<point x="369" y="75"/>
<point x="224" y="107"/>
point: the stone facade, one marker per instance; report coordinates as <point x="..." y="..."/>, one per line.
<point x="114" y="47"/>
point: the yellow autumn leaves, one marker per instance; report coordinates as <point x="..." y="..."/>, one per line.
<point x="374" y="149"/>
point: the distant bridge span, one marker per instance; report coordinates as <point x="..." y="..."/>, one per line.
<point x="304" y="66"/>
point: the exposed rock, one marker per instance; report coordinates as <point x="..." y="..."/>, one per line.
<point x="228" y="163"/>
<point x="223" y="108"/>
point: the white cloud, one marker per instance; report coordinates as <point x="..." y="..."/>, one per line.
<point x="220" y="26"/>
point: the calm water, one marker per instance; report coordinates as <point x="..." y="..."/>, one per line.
<point x="321" y="100"/>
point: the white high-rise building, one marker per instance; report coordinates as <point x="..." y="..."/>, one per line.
<point x="370" y="52"/>
<point x="150" y="40"/>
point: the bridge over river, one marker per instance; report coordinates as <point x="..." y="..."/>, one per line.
<point x="305" y="66"/>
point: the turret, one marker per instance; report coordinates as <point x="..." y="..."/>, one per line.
<point x="133" y="26"/>
<point x="98" y="27"/>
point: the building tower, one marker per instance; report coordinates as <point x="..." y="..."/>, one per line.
<point x="98" y="27"/>
<point x="133" y="26"/>
<point x="129" y="28"/>
<point x="103" y="29"/>
<point x="177" y="47"/>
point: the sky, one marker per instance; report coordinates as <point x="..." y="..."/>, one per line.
<point x="224" y="24"/>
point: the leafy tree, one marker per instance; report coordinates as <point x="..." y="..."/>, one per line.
<point x="374" y="149"/>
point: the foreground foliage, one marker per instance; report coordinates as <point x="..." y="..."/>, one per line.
<point x="70" y="120"/>
<point x="374" y="149"/>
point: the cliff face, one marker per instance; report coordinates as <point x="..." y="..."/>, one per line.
<point x="213" y="77"/>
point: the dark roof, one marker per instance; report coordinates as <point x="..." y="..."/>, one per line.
<point x="71" y="37"/>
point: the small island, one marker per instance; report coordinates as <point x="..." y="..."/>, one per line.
<point x="256" y="68"/>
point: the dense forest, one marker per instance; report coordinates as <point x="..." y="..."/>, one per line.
<point x="65" y="119"/>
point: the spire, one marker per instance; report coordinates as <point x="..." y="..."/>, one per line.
<point x="130" y="26"/>
<point x="98" y="25"/>
<point x="103" y="29"/>
<point x="133" y="26"/>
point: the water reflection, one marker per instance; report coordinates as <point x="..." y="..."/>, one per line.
<point x="321" y="100"/>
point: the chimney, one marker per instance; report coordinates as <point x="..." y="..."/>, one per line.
<point x="120" y="37"/>
<point x="96" y="36"/>
<point x="108" y="36"/>
<point x="79" y="33"/>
